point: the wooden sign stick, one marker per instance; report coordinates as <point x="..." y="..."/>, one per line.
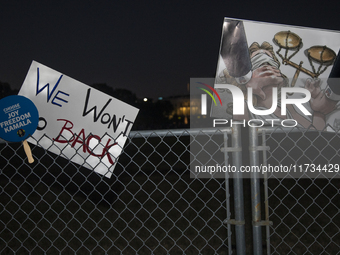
<point x="28" y="151"/>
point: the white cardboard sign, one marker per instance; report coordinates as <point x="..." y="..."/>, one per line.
<point x="76" y="121"/>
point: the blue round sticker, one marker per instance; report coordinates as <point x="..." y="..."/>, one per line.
<point x="19" y="118"/>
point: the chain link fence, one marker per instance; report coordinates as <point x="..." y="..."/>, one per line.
<point x="303" y="204"/>
<point x="149" y="206"/>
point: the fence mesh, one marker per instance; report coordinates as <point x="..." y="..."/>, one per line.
<point x="149" y="206"/>
<point x="305" y="210"/>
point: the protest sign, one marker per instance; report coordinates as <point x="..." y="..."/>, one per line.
<point x="270" y="73"/>
<point x="76" y="121"/>
<point x="18" y="120"/>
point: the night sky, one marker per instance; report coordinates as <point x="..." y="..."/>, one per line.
<point x="151" y="48"/>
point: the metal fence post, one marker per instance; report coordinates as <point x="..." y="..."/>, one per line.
<point x="238" y="191"/>
<point x="266" y="201"/>
<point x="255" y="192"/>
<point x="227" y="188"/>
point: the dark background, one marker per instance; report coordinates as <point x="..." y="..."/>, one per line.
<point x="151" y="48"/>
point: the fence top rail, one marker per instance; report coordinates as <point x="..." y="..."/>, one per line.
<point x="172" y="132"/>
<point x="211" y="131"/>
<point x="293" y="130"/>
<point x="179" y="132"/>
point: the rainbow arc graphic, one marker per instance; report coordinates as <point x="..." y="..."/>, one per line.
<point x="204" y="97"/>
